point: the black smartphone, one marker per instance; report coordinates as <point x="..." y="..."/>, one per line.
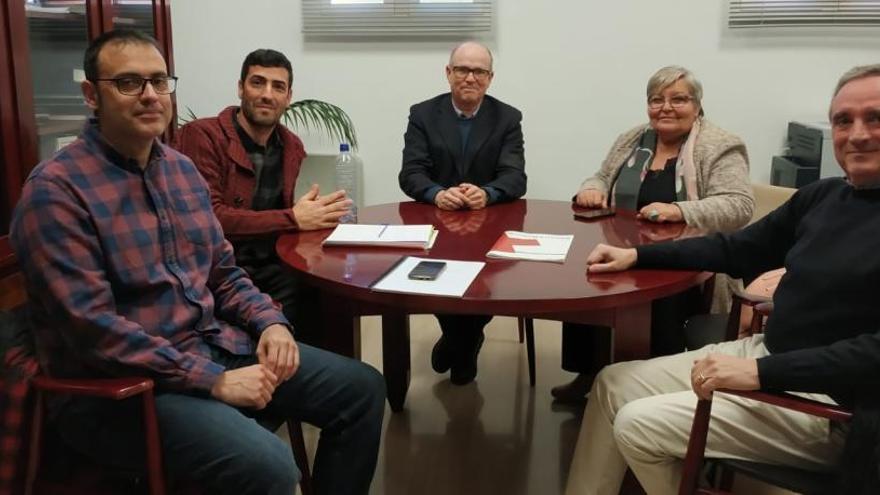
<point x="591" y="214"/>
<point x="427" y="270"/>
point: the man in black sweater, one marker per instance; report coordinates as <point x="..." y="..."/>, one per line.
<point x="822" y="339"/>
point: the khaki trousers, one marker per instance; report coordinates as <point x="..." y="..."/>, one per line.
<point x="639" y="415"/>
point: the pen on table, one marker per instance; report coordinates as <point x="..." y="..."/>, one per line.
<point x="383" y="230"/>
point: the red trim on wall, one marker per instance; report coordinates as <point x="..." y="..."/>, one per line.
<point x="17" y="121"/>
<point x="11" y="174"/>
<point x="100" y="15"/>
<point x="24" y="93"/>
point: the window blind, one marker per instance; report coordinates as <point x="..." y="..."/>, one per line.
<point x="405" y="18"/>
<point x="795" y="13"/>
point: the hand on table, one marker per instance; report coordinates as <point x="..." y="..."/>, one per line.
<point x="661" y="212"/>
<point x="591" y="198"/>
<point x="477" y="197"/>
<point x="606" y="258"/>
<point x="450" y="199"/>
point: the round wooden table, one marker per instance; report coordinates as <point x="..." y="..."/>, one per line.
<point x="556" y="291"/>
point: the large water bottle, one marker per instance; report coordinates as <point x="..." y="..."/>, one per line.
<point x="347" y="168"/>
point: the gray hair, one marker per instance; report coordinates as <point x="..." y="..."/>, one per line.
<point x="858" y="72"/>
<point x="491" y="58"/>
<point x="667" y="76"/>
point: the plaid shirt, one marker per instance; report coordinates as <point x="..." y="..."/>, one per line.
<point x="127" y="270"/>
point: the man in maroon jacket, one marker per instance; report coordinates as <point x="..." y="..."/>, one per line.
<point x="251" y="163"/>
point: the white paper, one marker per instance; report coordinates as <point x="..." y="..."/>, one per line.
<point x="551" y="247"/>
<point x="453" y="281"/>
<point x="358" y="234"/>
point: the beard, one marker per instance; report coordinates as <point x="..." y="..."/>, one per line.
<point x="255" y="119"/>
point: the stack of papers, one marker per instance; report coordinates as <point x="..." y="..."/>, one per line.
<point x="401" y="236"/>
<point x="453" y="281"/>
<point x="533" y="247"/>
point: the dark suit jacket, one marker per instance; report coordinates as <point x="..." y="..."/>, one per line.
<point x="432" y="154"/>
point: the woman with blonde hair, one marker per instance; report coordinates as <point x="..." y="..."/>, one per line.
<point x="679" y="167"/>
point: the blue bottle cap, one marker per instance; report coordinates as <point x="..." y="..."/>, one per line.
<point x="343" y="147"/>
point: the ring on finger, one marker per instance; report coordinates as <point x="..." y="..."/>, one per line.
<point x="653" y="215"/>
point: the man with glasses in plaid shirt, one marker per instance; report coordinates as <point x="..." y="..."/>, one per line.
<point x="128" y="273"/>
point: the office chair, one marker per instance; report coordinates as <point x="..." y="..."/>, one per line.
<point x="794" y="479"/>
<point x="23" y="389"/>
<point x="789" y="478"/>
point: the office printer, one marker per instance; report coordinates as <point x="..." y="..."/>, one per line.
<point x="810" y="156"/>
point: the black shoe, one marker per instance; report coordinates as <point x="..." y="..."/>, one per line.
<point x="441" y="356"/>
<point x="464" y="370"/>
<point x="575" y="391"/>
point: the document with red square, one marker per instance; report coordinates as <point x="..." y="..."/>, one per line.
<point x="514" y="245"/>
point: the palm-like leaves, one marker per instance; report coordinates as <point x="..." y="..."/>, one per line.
<point x="190" y="116"/>
<point x="317" y="114"/>
<point x="308" y="115"/>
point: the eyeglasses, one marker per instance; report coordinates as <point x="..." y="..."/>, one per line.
<point x="135" y="86"/>
<point x="462" y="72"/>
<point x="676" y="101"/>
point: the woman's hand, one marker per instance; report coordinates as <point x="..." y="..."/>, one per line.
<point x="591" y="198"/>
<point x="661" y="212"/>
<point x="606" y="258"/>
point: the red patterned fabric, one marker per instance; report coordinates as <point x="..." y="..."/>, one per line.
<point x="16" y="404"/>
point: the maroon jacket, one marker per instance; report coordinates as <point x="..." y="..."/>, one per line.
<point x="213" y="144"/>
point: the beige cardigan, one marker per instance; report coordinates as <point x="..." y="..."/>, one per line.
<point x="726" y="202"/>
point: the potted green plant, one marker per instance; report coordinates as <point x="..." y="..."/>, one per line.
<point x="327" y="117"/>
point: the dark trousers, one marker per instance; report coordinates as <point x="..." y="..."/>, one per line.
<point x="300" y="303"/>
<point x="462" y="331"/>
<point x="227" y="450"/>
<point x="587" y="348"/>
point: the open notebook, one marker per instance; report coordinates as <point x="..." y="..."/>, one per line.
<point x="399" y="236"/>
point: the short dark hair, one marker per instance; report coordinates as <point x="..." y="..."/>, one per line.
<point x="266" y="57"/>
<point x="123" y="36"/>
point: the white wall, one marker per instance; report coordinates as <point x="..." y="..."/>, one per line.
<point x="576" y="71"/>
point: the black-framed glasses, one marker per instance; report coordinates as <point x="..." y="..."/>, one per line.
<point x="135" y="85"/>
<point x="676" y="101"/>
<point x="462" y="72"/>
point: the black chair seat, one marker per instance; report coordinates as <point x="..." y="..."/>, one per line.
<point x="789" y="478"/>
<point x="702" y="330"/>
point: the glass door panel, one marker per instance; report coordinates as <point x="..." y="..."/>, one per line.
<point x="58" y="37"/>
<point x="134" y="14"/>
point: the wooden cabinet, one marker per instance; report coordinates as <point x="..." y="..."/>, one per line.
<point x="42" y="43"/>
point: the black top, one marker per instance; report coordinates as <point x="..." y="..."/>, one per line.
<point x="255" y="252"/>
<point x="267" y="167"/>
<point x="823" y="332"/>
<point x="658" y="185"/>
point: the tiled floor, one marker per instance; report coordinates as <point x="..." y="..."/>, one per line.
<point x="494" y="436"/>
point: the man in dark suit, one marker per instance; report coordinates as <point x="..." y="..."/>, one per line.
<point x="463" y="150"/>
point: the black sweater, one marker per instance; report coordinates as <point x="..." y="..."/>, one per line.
<point x="824" y="332"/>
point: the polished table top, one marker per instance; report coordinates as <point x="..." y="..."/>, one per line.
<point x="503" y="286"/>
